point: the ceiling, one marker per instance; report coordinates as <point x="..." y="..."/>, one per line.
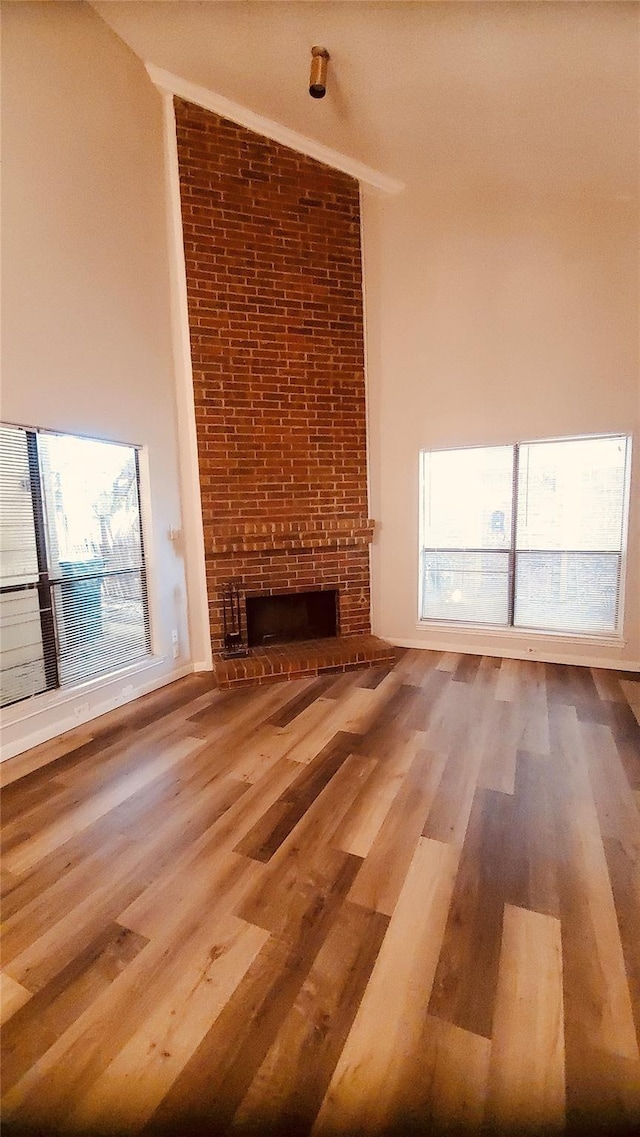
<point x="535" y="97"/>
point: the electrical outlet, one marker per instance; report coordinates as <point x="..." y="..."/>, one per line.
<point x="127" y="691"/>
<point x="81" y="711"/>
<point x="174" y="636"/>
<point x="176" y="650"/>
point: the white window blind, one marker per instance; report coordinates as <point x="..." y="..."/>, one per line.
<point x="528" y="535"/>
<point x="74" y="601"/>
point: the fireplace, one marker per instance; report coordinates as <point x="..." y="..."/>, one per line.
<point x="285" y="618"/>
<point x="274" y="288"/>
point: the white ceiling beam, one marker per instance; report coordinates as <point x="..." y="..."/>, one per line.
<point x="212" y="101"/>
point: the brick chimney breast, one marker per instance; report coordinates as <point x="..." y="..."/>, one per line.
<point x="274" y="286"/>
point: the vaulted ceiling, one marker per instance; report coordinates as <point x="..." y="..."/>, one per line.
<point x="540" y="98"/>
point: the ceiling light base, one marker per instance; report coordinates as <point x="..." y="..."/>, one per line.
<point x="318" y="76"/>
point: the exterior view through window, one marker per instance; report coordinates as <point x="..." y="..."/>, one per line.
<point x="73" y="600"/>
<point x="526" y="536"/>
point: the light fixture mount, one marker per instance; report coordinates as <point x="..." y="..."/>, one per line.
<point x="318" y="76"/>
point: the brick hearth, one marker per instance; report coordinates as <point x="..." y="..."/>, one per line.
<point x="273" y="264"/>
<point x="314" y="657"/>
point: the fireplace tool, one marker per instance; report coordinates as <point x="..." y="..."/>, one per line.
<point x="234" y="643"/>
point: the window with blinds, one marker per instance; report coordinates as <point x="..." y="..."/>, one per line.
<point x="73" y="602"/>
<point x="525" y="536"/>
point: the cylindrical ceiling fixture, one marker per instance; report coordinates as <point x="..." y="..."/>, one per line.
<point x="318" y="76"/>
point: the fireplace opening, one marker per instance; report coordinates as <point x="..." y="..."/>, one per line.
<point x="293" y="616"/>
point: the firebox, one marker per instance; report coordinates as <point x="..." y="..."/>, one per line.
<point x="292" y="616"/>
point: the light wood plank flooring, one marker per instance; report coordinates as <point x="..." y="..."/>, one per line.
<point x="404" y="900"/>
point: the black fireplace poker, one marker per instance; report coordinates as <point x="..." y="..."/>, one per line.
<point x="234" y="641"/>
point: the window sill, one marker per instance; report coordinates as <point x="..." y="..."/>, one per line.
<point x="51" y="700"/>
<point x="491" y="630"/>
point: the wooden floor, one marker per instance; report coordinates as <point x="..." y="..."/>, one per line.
<point x="398" y="900"/>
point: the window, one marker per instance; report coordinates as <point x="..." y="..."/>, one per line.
<point x="73" y="600"/>
<point x="525" y="536"/>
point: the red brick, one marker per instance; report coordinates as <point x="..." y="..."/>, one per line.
<point x="273" y="264"/>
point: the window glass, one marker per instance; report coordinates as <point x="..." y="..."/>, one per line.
<point x="467" y="498"/>
<point x="73" y="600"/>
<point x="571" y="494"/>
<point x="543" y="550"/>
<point x="466" y="530"/>
<point x="91" y="493"/>
<point x="569" y="534"/>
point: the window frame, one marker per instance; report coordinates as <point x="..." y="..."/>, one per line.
<point x="509" y="629"/>
<point x="47" y="581"/>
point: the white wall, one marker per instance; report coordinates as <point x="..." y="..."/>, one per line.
<point x="86" y="343"/>
<point x="492" y="320"/>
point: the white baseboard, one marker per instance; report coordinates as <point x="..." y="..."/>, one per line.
<point x="541" y="654"/>
<point x="42" y="718"/>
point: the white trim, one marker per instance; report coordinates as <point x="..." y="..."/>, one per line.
<point x="509" y="631"/>
<point x="35" y="705"/>
<point x="365" y="354"/>
<point x="367" y="401"/>
<point x="219" y="104"/>
<point x="540" y="655"/>
<point x="149" y="549"/>
<point x="80" y="704"/>
<point x="624" y="535"/>
<point x="193" y="537"/>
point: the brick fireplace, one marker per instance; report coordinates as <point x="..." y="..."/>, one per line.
<point x="273" y="265"/>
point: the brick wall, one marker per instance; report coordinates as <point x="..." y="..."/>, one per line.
<point x="272" y="249"/>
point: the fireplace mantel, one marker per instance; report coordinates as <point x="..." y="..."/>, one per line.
<point x="252" y="537"/>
